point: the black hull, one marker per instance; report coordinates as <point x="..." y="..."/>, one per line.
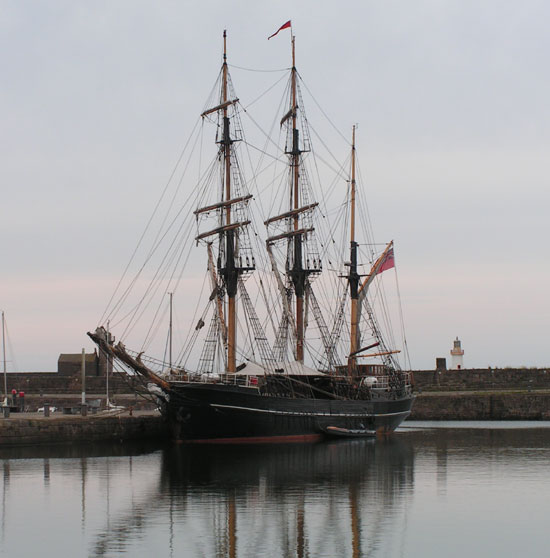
<point x="227" y="413"/>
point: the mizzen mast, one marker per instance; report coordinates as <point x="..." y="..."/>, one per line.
<point x="353" y="277"/>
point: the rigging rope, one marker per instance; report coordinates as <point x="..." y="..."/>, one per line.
<point x="322" y="111"/>
<point x="106" y="316"/>
<point x="257" y="70"/>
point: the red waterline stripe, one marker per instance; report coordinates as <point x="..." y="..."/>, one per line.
<point x="259" y="439"/>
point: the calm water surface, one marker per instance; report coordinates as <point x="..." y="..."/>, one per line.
<point x="433" y="490"/>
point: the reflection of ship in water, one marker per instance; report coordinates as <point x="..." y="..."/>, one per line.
<point x="326" y="499"/>
<point x="285" y="467"/>
<point x="351" y="498"/>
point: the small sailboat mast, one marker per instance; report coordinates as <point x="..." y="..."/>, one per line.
<point x="4" y="358"/>
<point x="170" y="330"/>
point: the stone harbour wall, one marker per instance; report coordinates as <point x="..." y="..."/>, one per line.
<point x="34" y="402"/>
<point x="482" y="406"/>
<point x="482" y="394"/>
<point x="52" y="382"/>
<point x="21" y="430"/>
<point x="482" y="379"/>
<point x="468" y="394"/>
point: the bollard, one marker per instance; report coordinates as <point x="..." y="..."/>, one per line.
<point x="46" y="409"/>
<point x="6" y="411"/>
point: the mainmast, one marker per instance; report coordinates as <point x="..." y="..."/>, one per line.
<point x="353" y="277"/>
<point x="295" y="225"/>
<point x="297" y="272"/>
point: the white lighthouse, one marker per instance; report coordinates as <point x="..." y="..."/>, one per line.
<point x="457" y="353"/>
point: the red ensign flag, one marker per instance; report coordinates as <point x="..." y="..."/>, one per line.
<point x="388" y="262"/>
<point x="283" y="26"/>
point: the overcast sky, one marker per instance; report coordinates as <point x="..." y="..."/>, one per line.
<point x="451" y="99"/>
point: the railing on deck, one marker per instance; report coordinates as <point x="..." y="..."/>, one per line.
<point x="226" y="379"/>
<point x="378" y="384"/>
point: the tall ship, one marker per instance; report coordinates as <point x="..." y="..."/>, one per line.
<point x="281" y="346"/>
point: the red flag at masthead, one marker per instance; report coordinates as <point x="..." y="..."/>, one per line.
<point x="283" y="26"/>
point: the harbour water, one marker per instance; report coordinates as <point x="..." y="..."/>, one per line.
<point x="432" y="490"/>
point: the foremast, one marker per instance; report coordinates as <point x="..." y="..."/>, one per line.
<point x="228" y="232"/>
<point x="229" y="272"/>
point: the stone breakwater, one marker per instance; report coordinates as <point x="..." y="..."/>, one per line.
<point x="468" y="394"/>
<point x="482" y="394"/>
<point x="53" y="382"/>
<point x="476" y="379"/>
<point x="30" y="429"/>
<point x="533" y="405"/>
<point x="60" y="401"/>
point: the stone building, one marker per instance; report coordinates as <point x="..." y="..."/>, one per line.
<point x="71" y="364"/>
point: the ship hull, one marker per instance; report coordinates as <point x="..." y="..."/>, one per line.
<point x="224" y="414"/>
